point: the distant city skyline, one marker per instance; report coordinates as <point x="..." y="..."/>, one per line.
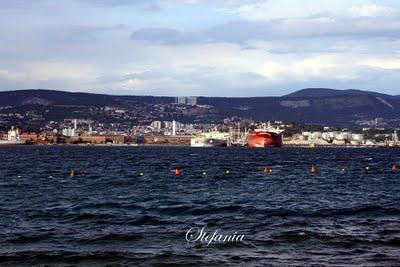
<point x="200" y="47"/>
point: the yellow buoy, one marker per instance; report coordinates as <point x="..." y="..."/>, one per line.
<point x="227" y="171"/>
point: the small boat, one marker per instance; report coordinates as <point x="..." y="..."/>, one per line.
<point x="207" y="142"/>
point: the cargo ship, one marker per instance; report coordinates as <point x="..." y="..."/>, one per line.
<point x="265" y="137"/>
<point x="13" y="138"/>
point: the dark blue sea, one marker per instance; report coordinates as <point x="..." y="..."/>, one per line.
<point x="107" y="214"/>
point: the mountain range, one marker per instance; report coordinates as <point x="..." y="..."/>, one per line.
<point x="342" y="108"/>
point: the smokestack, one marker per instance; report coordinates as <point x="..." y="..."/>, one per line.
<point x="173" y="127"/>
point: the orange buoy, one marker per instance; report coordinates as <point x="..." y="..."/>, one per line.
<point x="313" y="169"/>
<point x="267" y="169"/>
<point x="72" y="173"/>
<point x="394" y="168"/>
<point x="178" y="172"/>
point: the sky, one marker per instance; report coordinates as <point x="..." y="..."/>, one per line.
<point x="200" y="47"/>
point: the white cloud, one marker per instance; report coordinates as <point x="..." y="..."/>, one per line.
<point x="265" y="10"/>
<point x="283" y="9"/>
<point x="271" y="45"/>
<point x="383" y="63"/>
<point x="372" y="11"/>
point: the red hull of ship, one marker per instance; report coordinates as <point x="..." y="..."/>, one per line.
<point x="264" y="139"/>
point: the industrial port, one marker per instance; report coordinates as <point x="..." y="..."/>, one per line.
<point x="173" y="133"/>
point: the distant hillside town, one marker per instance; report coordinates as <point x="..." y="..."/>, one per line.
<point x="310" y="117"/>
<point x="233" y="132"/>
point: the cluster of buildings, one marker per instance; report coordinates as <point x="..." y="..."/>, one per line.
<point x="233" y="131"/>
<point x="186" y="100"/>
<point x="328" y="138"/>
<point x="341" y="138"/>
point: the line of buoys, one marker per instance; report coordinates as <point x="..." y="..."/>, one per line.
<point x="266" y="169"/>
<point x="313" y="169"/>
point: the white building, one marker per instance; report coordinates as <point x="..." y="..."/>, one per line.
<point x="180" y="100"/>
<point x="191" y="101"/>
<point x="156" y="125"/>
<point x="358" y="137"/>
<point x="68" y="132"/>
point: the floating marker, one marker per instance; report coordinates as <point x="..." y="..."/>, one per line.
<point x="367" y="168"/>
<point x="227" y="171"/>
<point x="19" y="177"/>
<point x="72" y="173"/>
<point x="267" y="170"/>
<point x="204" y="173"/>
<point x="178" y="172"/>
<point x="394" y="168"/>
<point x="313" y="169"/>
<point x="141" y="174"/>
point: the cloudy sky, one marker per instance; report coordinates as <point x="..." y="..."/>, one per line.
<point x="200" y="47"/>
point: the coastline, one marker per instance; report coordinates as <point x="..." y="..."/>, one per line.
<point x="188" y="146"/>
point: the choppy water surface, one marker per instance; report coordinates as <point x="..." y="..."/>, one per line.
<point x="107" y="214"/>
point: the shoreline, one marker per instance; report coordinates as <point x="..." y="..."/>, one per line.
<point x="188" y="146"/>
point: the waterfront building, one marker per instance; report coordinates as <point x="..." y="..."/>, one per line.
<point x="191" y="101"/>
<point x="68" y="132"/>
<point x="156" y="125"/>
